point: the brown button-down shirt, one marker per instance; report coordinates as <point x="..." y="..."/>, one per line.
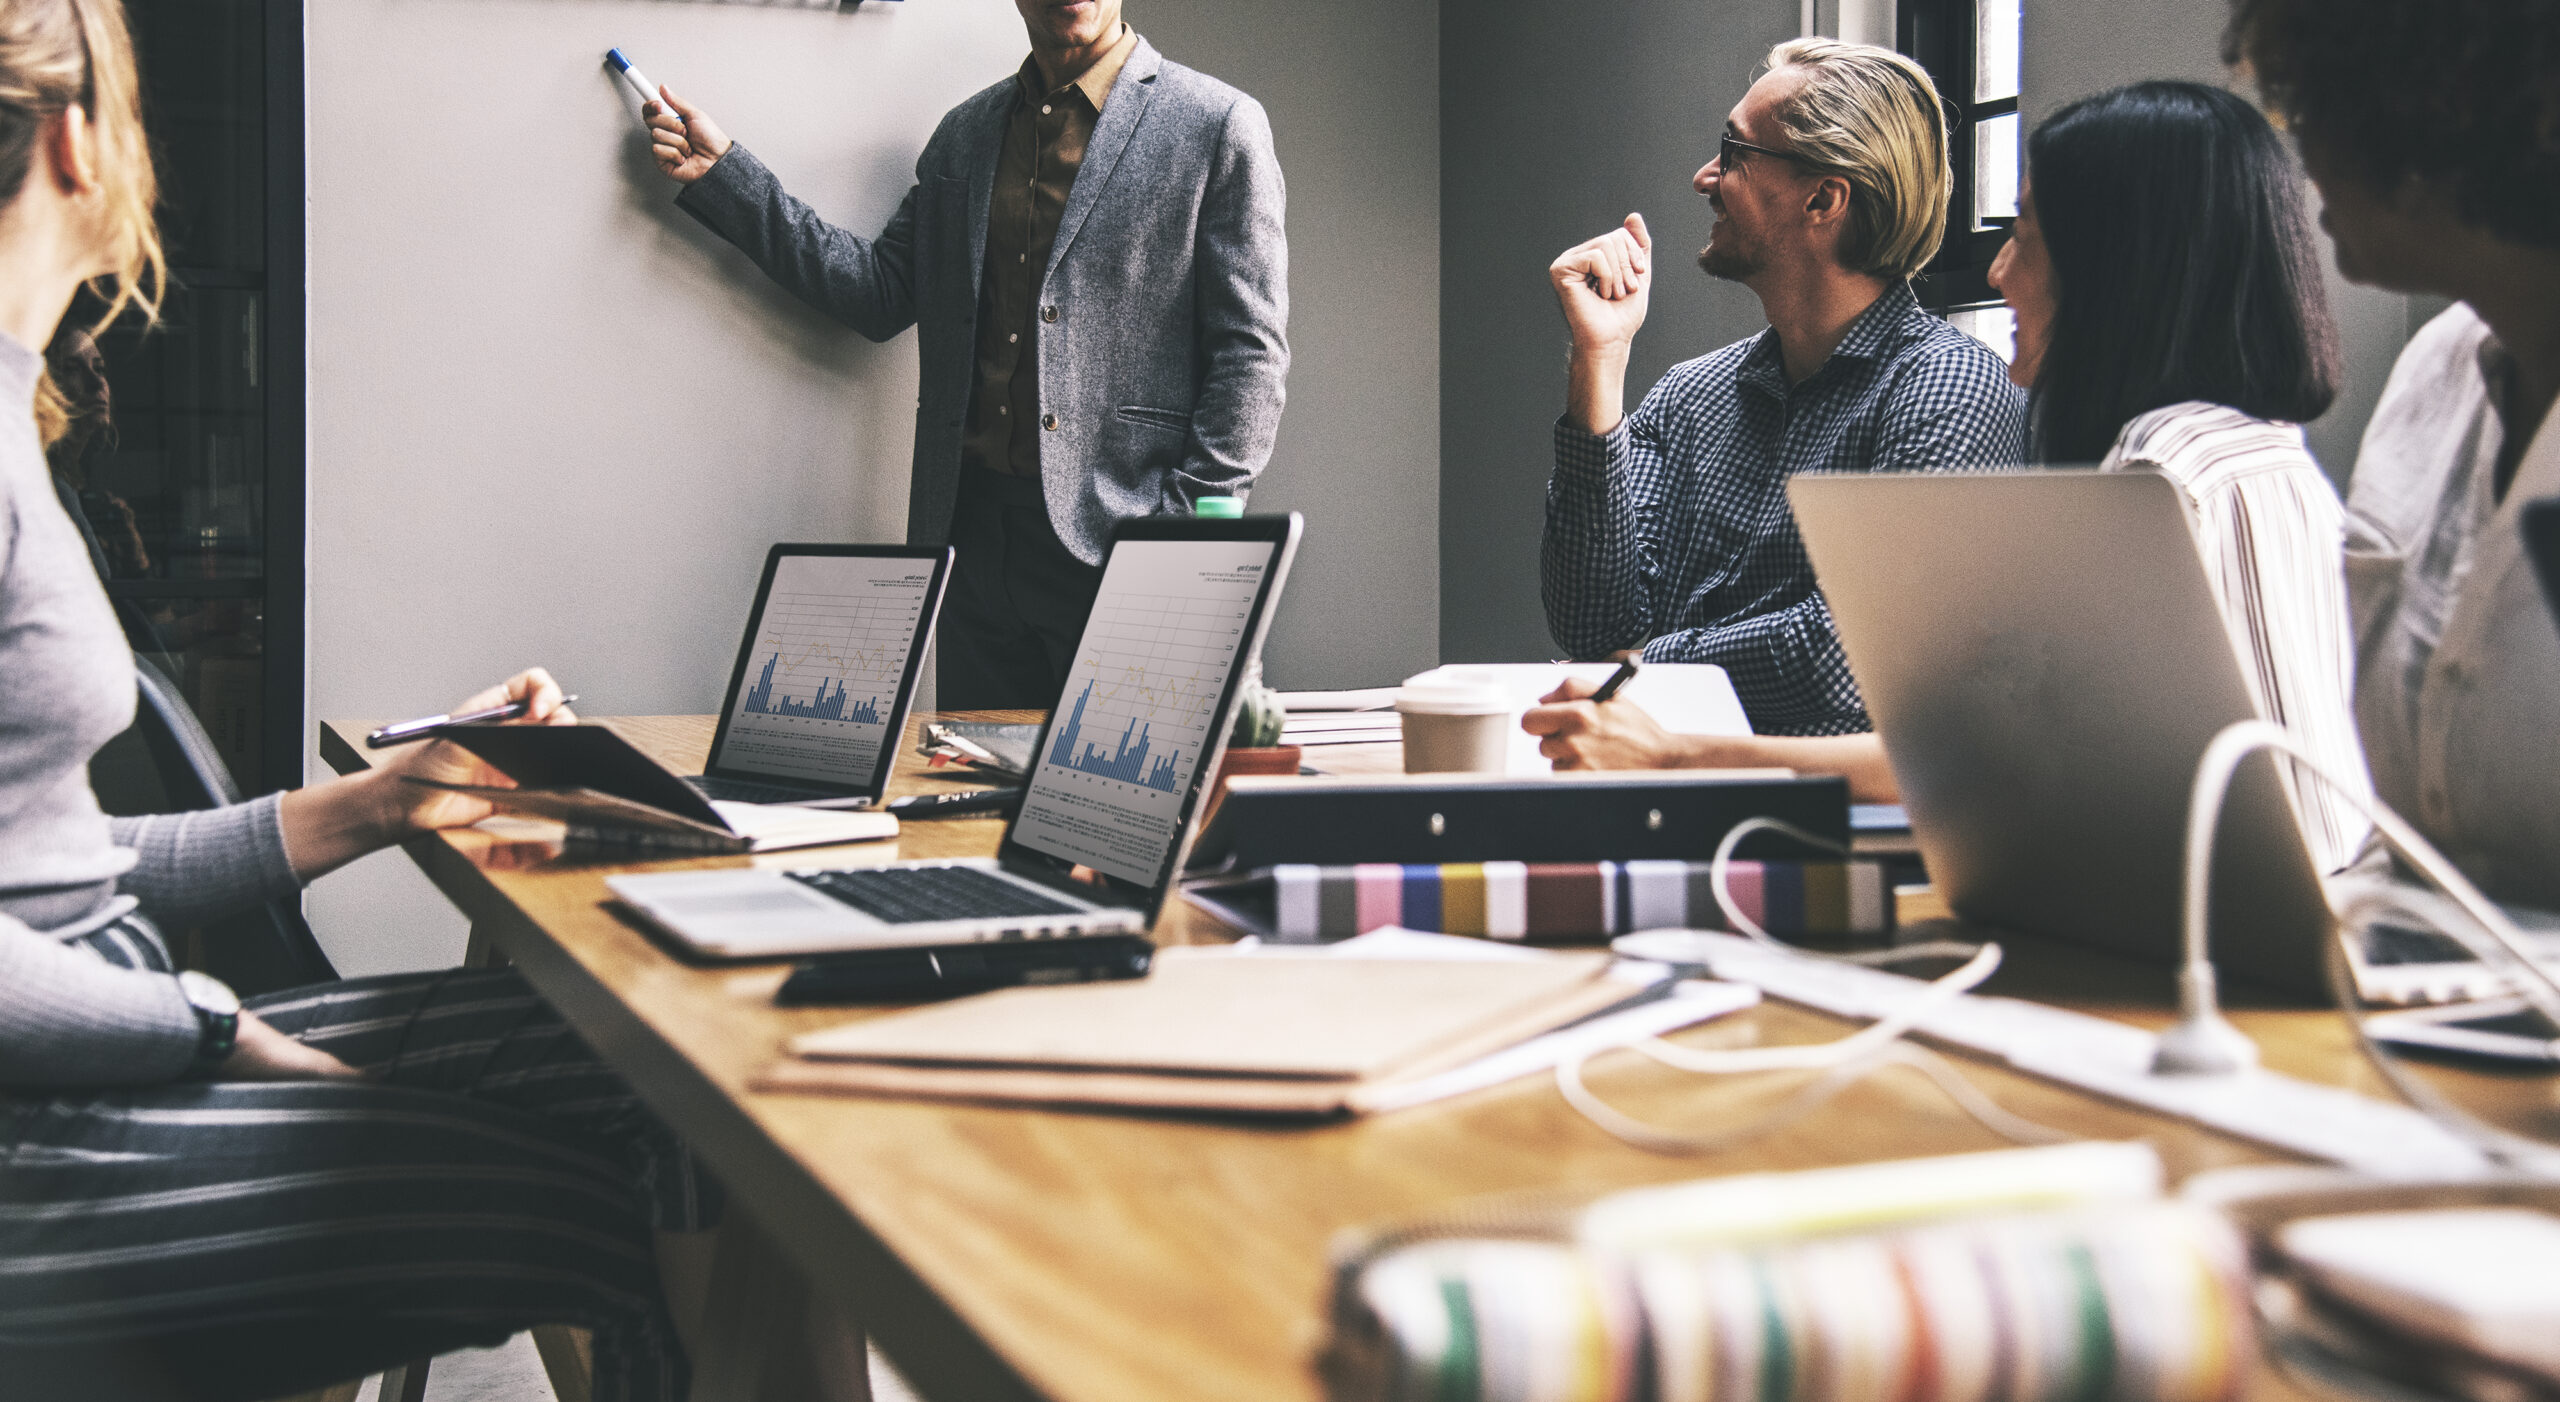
<point x="1044" y="145"/>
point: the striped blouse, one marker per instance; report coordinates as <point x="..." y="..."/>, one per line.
<point x="2272" y="534"/>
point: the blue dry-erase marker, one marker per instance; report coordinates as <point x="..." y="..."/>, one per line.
<point x="631" y="74"/>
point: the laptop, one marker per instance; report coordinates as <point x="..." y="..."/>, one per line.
<point x="1115" y="792"/>
<point x="825" y="675"/>
<point x="2043" y="656"/>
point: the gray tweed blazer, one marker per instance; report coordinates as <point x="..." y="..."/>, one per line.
<point x="1164" y="310"/>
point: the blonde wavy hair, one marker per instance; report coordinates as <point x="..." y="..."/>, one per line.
<point x="1872" y="116"/>
<point x="60" y="54"/>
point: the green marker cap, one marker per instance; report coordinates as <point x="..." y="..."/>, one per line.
<point x="1218" y="508"/>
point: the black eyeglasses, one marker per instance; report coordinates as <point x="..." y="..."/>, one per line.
<point x="1730" y="143"/>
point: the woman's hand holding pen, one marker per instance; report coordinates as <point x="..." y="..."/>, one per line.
<point x="330" y="824"/>
<point x="683" y="138"/>
<point x="415" y="808"/>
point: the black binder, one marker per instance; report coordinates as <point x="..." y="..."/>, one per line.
<point x="1572" y="817"/>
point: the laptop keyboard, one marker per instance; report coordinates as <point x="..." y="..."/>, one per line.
<point x="911" y="895"/>
<point x="740" y="791"/>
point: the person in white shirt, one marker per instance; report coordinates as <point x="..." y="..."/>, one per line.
<point x="2170" y="316"/>
<point x="2433" y="133"/>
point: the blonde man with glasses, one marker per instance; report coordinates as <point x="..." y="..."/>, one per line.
<point x="1668" y="534"/>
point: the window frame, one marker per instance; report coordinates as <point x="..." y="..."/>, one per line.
<point x="1942" y="37"/>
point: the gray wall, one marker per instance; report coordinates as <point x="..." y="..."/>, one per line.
<point x="554" y="421"/>
<point x="1549" y="137"/>
<point x="1352" y="87"/>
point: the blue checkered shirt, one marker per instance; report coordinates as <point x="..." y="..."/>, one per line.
<point x="1671" y="532"/>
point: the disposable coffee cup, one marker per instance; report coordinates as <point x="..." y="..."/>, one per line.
<point x="1455" y="728"/>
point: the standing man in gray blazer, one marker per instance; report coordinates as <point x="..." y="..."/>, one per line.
<point x="1093" y="260"/>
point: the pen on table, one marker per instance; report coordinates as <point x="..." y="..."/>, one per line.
<point x="426" y="726"/>
<point x="1616" y="679"/>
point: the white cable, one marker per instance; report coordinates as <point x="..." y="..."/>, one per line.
<point x="1944" y="990"/>
<point x="1819" y="1092"/>
<point x="1722" y="864"/>
<point x="2491" y="937"/>
<point x="1843" y="1063"/>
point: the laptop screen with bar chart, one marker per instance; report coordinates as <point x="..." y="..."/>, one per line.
<point x="1120" y="768"/>
<point x="828" y="666"/>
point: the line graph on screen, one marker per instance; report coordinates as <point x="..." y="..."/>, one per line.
<point x="831" y="656"/>
<point x="1152" y="668"/>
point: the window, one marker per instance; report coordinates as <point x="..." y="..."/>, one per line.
<point x="1971" y="49"/>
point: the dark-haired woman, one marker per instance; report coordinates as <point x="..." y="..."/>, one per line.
<point x="2170" y="316"/>
<point x="200" y="1199"/>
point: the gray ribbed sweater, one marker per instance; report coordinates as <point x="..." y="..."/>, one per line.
<point x="68" y="1018"/>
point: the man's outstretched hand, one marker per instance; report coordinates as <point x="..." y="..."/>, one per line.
<point x="683" y="138"/>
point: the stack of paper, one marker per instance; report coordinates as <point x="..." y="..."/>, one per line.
<point x="1295" y="1033"/>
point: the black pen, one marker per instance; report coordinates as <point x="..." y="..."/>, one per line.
<point x="426" y="726"/>
<point x="1616" y="679"/>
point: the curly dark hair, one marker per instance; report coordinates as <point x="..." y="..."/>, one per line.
<point x="2463" y="94"/>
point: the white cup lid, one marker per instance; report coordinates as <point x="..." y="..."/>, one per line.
<point x="1452" y="698"/>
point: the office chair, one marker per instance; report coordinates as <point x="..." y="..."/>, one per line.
<point x="167" y="764"/>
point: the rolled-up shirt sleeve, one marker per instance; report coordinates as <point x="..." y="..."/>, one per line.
<point x="70" y="1019"/>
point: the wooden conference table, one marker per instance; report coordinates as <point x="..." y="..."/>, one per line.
<point x="1004" y="1253"/>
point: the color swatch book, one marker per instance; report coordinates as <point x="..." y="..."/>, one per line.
<point x="1550" y="901"/>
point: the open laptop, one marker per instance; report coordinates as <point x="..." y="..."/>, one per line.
<point x="1116" y="782"/>
<point x="825" y="675"/>
<point x="2043" y="656"/>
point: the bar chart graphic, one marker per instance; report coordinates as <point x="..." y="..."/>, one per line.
<point x="823" y="649"/>
<point x="1128" y="763"/>
<point x="1153" y="664"/>
<point x="760" y="700"/>
<point x="1135" y="716"/>
<point x="831" y="647"/>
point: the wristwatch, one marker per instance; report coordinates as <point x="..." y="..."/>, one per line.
<point x="217" y="1016"/>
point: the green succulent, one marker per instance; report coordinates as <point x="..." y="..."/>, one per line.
<point x="1259" y="714"/>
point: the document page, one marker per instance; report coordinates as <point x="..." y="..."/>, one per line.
<point x="1139" y="702"/>
<point x="831" y="648"/>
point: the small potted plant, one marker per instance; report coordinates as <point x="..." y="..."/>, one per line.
<point x="1254" y="747"/>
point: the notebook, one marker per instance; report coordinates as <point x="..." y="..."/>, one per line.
<point x="1300" y="1034"/>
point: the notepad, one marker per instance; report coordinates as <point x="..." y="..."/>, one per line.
<point x="1293" y="1034"/>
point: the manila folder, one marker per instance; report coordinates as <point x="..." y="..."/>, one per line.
<point x="1209" y="1030"/>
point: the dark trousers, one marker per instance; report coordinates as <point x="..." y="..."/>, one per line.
<point x="1017" y="602"/>
<point x="246" y="1240"/>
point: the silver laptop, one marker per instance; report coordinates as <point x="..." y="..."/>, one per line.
<point x="2043" y="656"/>
<point x="1115" y="788"/>
<point x="825" y="674"/>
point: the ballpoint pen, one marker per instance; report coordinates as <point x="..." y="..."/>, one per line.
<point x="1618" y="678"/>
<point x="425" y="727"/>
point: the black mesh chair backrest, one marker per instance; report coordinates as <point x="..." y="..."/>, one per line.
<point x="167" y="763"/>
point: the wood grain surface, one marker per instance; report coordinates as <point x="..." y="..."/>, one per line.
<point x="1005" y="1253"/>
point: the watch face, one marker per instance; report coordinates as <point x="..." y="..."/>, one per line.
<point x="206" y="993"/>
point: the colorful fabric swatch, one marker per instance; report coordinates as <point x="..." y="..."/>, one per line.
<point x="2142" y="1305"/>
<point x="1541" y="901"/>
